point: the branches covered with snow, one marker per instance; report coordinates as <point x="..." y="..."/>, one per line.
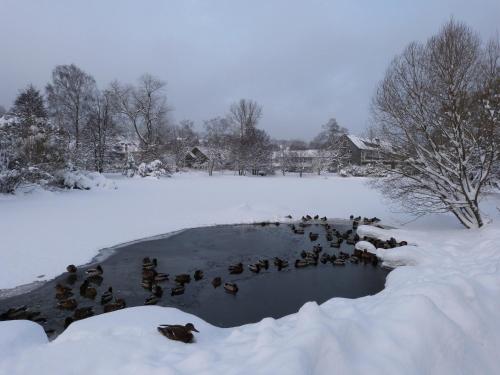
<point x="438" y="105"/>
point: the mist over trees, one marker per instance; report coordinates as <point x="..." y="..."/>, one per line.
<point x="439" y="107"/>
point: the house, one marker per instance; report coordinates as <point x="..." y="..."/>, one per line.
<point x="196" y="156"/>
<point x="300" y="160"/>
<point x="361" y="151"/>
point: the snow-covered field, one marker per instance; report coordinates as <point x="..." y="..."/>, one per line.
<point x="437" y="315"/>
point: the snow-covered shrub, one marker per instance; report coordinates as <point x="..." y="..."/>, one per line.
<point x="156" y="168"/>
<point x="362" y="171"/>
<point x="74" y="179"/>
<point x="130" y="167"/>
<point x="9" y="180"/>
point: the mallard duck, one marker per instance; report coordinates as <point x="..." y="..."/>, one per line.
<point x="147" y="284"/>
<point x="161" y="277"/>
<point x="178" y="332"/>
<point x="313" y="236"/>
<point x="83" y="313"/>
<point x="299" y="263"/>
<point x="113" y="306"/>
<point x="157" y="290"/>
<point x="280" y="263"/>
<point x="95" y="279"/>
<point x="151" y="300"/>
<point x="178" y="290"/>
<point x="317" y="249"/>
<point x="255" y="268"/>
<point x="95" y="271"/>
<point x="308" y="217"/>
<point x="236" y="269"/>
<point x="198" y="275"/>
<point x="231" y="288"/>
<point x="64" y="295"/>
<point x="71" y="268"/>
<point x="107" y="296"/>
<point x="325" y="258"/>
<point x="149" y="264"/>
<point x="149" y="274"/>
<point x="67" y="304"/>
<point x="216" y="282"/>
<point x="87" y="291"/>
<point x="183" y="278"/>
<point x="324" y="218"/>
<point x="264" y="263"/>
<point x="62" y="288"/>
<point x="316" y="217"/>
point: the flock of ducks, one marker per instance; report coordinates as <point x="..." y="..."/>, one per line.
<point x="152" y="280"/>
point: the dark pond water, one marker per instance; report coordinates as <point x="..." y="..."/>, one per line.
<point x="270" y="293"/>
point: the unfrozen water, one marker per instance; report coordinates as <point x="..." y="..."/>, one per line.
<point x="270" y="293"/>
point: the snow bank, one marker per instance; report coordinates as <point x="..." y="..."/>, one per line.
<point x="437" y="315"/>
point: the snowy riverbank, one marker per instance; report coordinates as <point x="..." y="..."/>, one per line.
<point x="438" y="313"/>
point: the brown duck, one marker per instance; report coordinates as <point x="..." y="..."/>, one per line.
<point x="178" y="332"/>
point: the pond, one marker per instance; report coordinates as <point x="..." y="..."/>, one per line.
<point x="268" y="293"/>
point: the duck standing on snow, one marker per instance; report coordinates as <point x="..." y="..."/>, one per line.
<point x="178" y="332"/>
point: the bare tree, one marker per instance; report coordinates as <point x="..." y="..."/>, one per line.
<point x="245" y="115"/>
<point x="219" y="137"/>
<point x="69" y="95"/>
<point x="436" y="106"/>
<point x="144" y="107"/>
<point x="99" y="126"/>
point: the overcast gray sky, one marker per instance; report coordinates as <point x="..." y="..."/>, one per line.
<point x="304" y="61"/>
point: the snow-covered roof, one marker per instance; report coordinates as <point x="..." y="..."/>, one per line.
<point x="368" y="144"/>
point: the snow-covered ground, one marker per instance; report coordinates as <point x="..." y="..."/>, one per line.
<point x="437" y="315"/>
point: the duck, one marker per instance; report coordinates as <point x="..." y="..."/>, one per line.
<point x="231" y="288"/>
<point x="316" y="217"/>
<point x="147" y="284"/>
<point x="149" y="274"/>
<point x="216" y="282"/>
<point x="324" y="218"/>
<point x="178" y="290"/>
<point x="325" y="258"/>
<point x="264" y="263"/>
<point x="178" y="332"/>
<point x="280" y="263"/>
<point x="71" y="268"/>
<point x="313" y="236"/>
<point x="149" y="264"/>
<point x="299" y="231"/>
<point x="308" y="217"/>
<point x="198" y="275"/>
<point x="95" y="271"/>
<point x="159" y="277"/>
<point x="157" y="290"/>
<point x="62" y="288"/>
<point x="113" y="306"/>
<point x="335" y="244"/>
<point x="236" y="269"/>
<point x="183" y="278"/>
<point x="64" y="295"/>
<point x="339" y="262"/>
<point x="300" y="263"/>
<point x="312" y="261"/>
<point x="317" y="249"/>
<point x="151" y="300"/>
<point x="67" y="304"/>
<point x="288" y="216"/>
<point x="87" y="291"/>
<point x="83" y="313"/>
<point x="255" y="268"/>
<point x="107" y="296"/>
